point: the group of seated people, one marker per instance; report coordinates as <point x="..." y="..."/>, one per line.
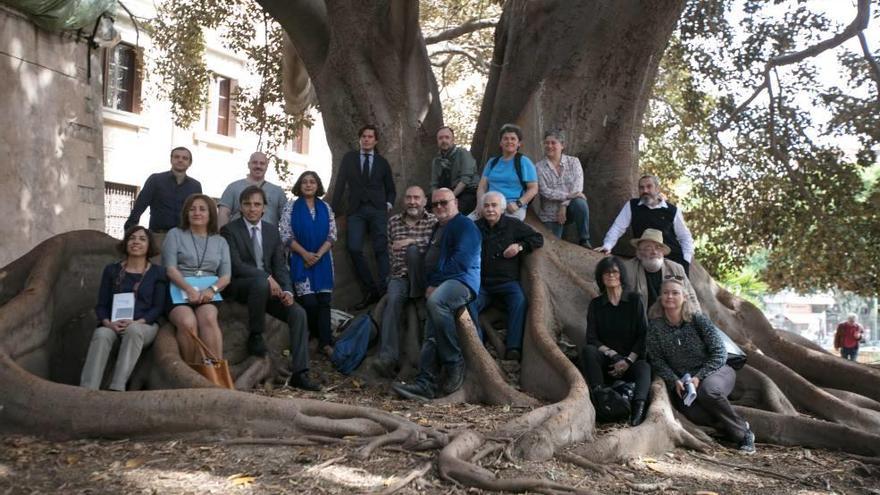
<point x="274" y="255"/>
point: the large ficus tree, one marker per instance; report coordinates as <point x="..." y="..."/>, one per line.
<point x="587" y="67"/>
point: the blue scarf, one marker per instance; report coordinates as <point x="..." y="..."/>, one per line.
<point x="311" y="234"/>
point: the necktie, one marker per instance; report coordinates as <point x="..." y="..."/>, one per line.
<point x="258" y="247"/>
<point x="366" y="169"/>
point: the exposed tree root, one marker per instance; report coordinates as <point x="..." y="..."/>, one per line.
<point x="808" y="397"/>
<point x="409" y="478"/>
<point x="485" y="383"/>
<point x="854" y="399"/>
<point x="660" y="432"/>
<point x="453" y="467"/>
<point x="778" y="429"/>
<point x="251" y="372"/>
<point x="755" y="389"/>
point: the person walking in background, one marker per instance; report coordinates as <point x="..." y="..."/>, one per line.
<point x="847" y="338"/>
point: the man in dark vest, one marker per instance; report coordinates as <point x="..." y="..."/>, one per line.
<point x="371" y="194"/>
<point x="651" y="211"/>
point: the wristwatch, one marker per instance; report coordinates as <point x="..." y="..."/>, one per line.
<point x="519" y="203"/>
<point x="215" y="289"/>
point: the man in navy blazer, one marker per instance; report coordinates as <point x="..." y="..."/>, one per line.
<point x="371" y="194"/>
<point x="261" y="279"/>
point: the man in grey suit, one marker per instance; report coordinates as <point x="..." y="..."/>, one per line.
<point x="261" y="279"/>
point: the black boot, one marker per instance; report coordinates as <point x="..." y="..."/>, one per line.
<point x="454" y="378"/>
<point x="638" y="413"/>
<point x="302" y="381"/>
<point x="256" y="346"/>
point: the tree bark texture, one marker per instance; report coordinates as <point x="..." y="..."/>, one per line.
<point x="586" y="68"/>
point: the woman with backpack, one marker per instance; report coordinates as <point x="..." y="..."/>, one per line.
<point x="511" y="174"/>
<point x="615" y="339"/>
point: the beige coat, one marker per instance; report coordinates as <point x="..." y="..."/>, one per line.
<point x="636" y="280"/>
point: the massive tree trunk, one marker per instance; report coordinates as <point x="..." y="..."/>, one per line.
<point x="586" y="67"/>
<point x="368" y="65"/>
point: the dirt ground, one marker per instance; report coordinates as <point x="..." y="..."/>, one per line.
<point x="30" y="465"/>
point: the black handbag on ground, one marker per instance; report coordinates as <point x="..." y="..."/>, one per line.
<point x="736" y="357"/>
<point x="614" y="403"/>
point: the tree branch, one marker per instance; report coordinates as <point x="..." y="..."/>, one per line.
<point x="476" y="62"/>
<point x="853" y="29"/>
<point x="872" y="62"/>
<point x="468" y="27"/>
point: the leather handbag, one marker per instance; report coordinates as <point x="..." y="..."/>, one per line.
<point x="209" y="366"/>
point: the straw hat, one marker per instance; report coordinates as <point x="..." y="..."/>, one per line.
<point x="652" y="235"/>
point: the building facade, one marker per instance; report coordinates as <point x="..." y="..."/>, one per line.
<point x="139" y="131"/>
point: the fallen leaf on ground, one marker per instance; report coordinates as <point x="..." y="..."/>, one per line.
<point x="241" y="479"/>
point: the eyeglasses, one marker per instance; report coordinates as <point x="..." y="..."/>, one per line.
<point x="678" y="278"/>
<point x="442" y="202"/>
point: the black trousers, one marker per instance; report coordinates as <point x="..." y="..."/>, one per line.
<point x="254" y="292"/>
<point x="318" y="308"/>
<point x="595" y="367"/>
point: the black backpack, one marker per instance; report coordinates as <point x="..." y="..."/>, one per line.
<point x="614" y="403"/>
<point x="517" y="166"/>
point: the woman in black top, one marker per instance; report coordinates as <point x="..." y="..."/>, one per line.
<point x="147" y="285"/>
<point x="615" y="340"/>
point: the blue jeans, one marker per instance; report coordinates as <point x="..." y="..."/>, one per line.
<point x="367" y="217"/>
<point x="578" y="213"/>
<point x="851" y="353"/>
<point x="441" y="341"/>
<point x="515" y="302"/>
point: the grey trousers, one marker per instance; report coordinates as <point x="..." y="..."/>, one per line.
<point x="400" y="289"/>
<point x="712" y="407"/>
<point x="134" y="339"/>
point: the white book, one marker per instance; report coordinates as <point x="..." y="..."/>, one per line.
<point x="123" y="306"/>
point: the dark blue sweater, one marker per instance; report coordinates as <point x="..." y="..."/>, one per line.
<point x="150" y="300"/>
<point x="459" y="254"/>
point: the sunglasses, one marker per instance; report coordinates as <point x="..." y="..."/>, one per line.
<point x="442" y="202"/>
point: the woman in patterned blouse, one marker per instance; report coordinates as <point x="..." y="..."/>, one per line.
<point x="683" y="342"/>
<point x="561" y="187"/>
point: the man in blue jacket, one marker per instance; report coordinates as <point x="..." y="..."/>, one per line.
<point x="453" y="266"/>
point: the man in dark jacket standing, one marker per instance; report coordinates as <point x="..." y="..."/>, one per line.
<point x="506" y="241"/>
<point x="371" y="195"/>
<point x="453" y="266"/>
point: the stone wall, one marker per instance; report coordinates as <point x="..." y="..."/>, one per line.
<point x="51" y="171"/>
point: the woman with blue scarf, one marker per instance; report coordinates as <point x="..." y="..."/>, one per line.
<point x="308" y="229"/>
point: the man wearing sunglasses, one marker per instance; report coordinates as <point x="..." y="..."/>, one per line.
<point x="647" y="271"/>
<point x="452" y="263"/>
